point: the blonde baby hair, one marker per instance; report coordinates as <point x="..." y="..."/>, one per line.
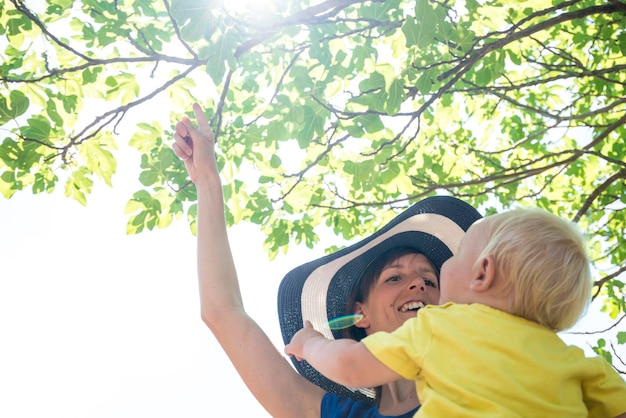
<point x="544" y="263"/>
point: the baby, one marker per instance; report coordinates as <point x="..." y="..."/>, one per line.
<point x="490" y="349"/>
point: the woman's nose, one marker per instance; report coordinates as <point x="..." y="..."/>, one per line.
<point x="417" y="284"/>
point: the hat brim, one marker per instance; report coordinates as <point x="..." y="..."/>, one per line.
<point x="319" y="290"/>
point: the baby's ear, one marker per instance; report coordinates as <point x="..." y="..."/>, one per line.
<point x="484" y="277"/>
<point x="359" y="309"/>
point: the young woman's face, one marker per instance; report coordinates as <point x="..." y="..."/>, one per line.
<point x="404" y="286"/>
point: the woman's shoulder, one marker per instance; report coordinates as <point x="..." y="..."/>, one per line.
<point x="335" y="406"/>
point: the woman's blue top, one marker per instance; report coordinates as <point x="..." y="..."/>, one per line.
<point x="335" y="406"/>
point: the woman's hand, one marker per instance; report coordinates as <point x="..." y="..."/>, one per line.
<point x="196" y="146"/>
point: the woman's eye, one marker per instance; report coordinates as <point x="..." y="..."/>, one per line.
<point x="393" y="279"/>
<point x="431" y="283"/>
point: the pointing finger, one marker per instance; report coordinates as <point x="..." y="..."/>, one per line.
<point x="200" y="117"/>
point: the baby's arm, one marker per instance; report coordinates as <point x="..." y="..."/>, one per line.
<point x="344" y="361"/>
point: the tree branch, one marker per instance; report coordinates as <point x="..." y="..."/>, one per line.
<point x="597" y="192"/>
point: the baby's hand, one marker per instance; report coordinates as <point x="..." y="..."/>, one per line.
<point x="295" y="347"/>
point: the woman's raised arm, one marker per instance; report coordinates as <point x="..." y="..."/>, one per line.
<point x="268" y="375"/>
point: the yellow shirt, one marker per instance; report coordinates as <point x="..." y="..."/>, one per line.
<point x="475" y="361"/>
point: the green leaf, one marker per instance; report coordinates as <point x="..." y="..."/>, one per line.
<point x="395" y="96"/>
<point x="78" y="185"/>
<point x="99" y="160"/>
<point x="38" y="128"/>
<point x="426" y="81"/>
<point x="51" y="111"/>
<point x="371" y="123"/>
<point x="515" y="58"/>
<point x="150" y="211"/>
<point x="484" y="76"/>
<point x="221" y="56"/>
<point x="313" y="125"/>
<point x="16" y="106"/>
<point x="90" y="75"/>
<point x="419" y="30"/>
<point x="147" y="138"/>
<point x="8" y="185"/>
<point x="275" y="161"/>
<point x="196" y="18"/>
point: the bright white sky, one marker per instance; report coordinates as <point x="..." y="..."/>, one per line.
<point x="95" y="323"/>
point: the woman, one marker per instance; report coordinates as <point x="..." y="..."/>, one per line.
<point x="282" y="391"/>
